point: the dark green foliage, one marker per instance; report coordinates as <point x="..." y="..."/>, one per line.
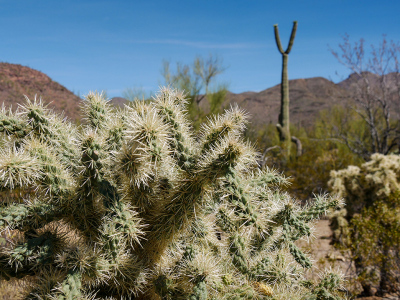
<point x="376" y="245"/>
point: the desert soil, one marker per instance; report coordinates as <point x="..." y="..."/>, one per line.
<point x="326" y="256"/>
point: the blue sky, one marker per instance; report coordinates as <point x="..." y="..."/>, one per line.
<point x="113" y="45"/>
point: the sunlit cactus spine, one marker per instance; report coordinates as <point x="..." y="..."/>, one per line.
<point x="134" y="205"/>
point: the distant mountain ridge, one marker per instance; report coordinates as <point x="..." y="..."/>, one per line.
<point x="307" y="96"/>
<point x="17" y="81"/>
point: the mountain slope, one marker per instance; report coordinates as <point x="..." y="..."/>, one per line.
<point x="307" y="96"/>
<point x="17" y="81"/>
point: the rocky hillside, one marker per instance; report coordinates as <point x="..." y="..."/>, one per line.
<point x="307" y="96"/>
<point x="17" y="81"/>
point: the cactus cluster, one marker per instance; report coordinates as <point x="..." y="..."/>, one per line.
<point x="375" y="180"/>
<point x="133" y="205"/>
<point x="370" y="226"/>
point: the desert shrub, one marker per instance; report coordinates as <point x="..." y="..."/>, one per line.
<point x="309" y="173"/>
<point x="133" y="205"/>
<point x="372" y="196"/>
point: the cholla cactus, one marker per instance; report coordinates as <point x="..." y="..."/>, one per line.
<point x="372" y="194"/>
<point x="361" y="186"/>
<point x="340" y="227"/>
<point x="133" y="205"/>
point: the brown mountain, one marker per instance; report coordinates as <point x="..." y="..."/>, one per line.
<point x="307" y="96"/>
<point x="17" y="81"/>
<point x="119" y="102"/>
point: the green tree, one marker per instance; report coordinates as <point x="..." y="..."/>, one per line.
<point x="197" y="81"/>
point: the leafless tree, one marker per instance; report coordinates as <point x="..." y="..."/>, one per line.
<point x="375" y="95"/>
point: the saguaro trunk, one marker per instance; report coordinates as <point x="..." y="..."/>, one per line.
<point x="283" y="125"/>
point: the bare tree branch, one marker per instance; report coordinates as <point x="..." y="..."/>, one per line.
<point x="376" y="92"/>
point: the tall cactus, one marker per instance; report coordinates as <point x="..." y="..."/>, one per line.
<point x="284" y="123"/>
<point x="131" y="205"/>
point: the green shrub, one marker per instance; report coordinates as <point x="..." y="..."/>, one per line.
<point x="373" y="234"/>
<point x="326" y="154"/>
<point x="132" y="205"/>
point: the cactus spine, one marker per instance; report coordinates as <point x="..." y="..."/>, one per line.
<point x="131" y="205"/>
<point x="284" y="123"/>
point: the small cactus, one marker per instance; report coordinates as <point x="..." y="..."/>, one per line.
<point x="133" y="205"/>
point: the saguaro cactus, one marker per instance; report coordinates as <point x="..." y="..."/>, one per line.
<point x="284" y="122"/>
<point x="131" y="205"/>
